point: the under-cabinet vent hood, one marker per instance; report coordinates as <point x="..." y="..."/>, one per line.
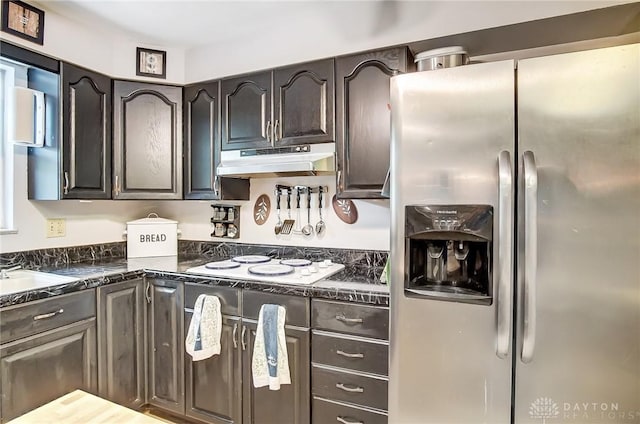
<point x="302" y="160"/>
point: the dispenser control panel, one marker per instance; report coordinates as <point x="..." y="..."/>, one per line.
<point x="448" y="252"/>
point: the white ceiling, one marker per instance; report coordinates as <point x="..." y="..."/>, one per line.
<point x="189" y="24"/>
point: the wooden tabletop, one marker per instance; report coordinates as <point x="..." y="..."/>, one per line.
<point x="79" y="407"/>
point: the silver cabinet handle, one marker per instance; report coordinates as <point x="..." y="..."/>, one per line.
<point x="530" y="254"/>
<point x="147" y="292"/>
<point x="349" y="320"/>
<point x="244" y="330"/>
<point x="345" y="421"/>
<point x="504" y="284"/>
<point x="350" y="355"/>
<point x="267" y="130"/>
<point x="216" y="186"/>
<point x="116" y="187"/>
<point x="339" y="181"/>
<point x="356" y="389"/>
<point x="276" y="134"/>
<point x="48" y="315"/>
<point x="234" y="334"/>
<point x="65" y="189"/>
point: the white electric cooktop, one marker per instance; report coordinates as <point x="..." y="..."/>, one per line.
<point x="266" y="269"/>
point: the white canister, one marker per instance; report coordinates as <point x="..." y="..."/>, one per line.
<point x="152" y="236"/>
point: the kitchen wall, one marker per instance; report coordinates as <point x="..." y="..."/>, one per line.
<point x="101" y="48"/>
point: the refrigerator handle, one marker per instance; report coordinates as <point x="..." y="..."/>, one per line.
<point x="505" y="212"/>
<point x="530" y="254"/>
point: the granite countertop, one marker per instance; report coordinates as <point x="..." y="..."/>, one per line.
<point x="92" y="274"/>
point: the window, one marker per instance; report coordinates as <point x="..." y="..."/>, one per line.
<point x="11" y="74"/>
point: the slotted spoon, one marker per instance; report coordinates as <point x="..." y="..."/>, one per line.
<point x="287" y="225"/>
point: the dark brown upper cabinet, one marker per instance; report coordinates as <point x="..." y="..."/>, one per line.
<point x="246" y="111"/>
<point x="303" y="107"/>
<point x="363" y="122"/>
<point x="147" y="141"/>
<point x="86" y="133"/>
<point x="202" y="147"/>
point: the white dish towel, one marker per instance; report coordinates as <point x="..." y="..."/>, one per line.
<point x="261" y="360"/>
<point x="203" y="337"/>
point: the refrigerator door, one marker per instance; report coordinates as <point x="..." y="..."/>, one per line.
<point x="450" y="130"/>
<point x="578" y="336"/>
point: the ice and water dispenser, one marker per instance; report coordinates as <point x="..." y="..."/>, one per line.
<point x="448" y="252"/>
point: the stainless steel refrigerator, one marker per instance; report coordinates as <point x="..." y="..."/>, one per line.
<point x="515" y="241"/>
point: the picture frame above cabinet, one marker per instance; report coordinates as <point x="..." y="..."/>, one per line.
<point x="86" y="133"/>
<point x="202" y="147"/>
<point x="363" y="123"/>
<point x="287" y="106"/>
<point x="147" y="141"/>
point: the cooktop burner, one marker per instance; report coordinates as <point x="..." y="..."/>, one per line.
<point x="285" y="271"/>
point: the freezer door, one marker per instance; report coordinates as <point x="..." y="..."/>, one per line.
<point x="453" y="134"/>
<point x="578" y="333"/>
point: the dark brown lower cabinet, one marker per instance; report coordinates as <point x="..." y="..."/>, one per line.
<point x="290" y="404"/>
<point x="121" y="342"/>
<point x="43" y="367"/>
<point x="214" y="385"/>
<point x="165" y="383"/>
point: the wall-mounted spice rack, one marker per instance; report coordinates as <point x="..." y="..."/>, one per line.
<point x="226" y="221"/>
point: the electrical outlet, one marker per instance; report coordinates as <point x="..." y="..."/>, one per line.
<point x="56" y="227"/>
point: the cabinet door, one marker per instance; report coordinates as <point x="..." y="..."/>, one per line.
<point x="303" y="103"/>
<point x="290" y="404"/>
<point x="246" y="111"/>
<point x="86" y="133"/>
<point x="37" y="369"/>
<point x="202" y="147"/>
<point x="166" y="345"/>
<point x="121" y="343"/>
<point x="364" y="120"/>
<point x="201" y="140"/>
<point x="214" y="385"/>
<point x="147" y="141"/>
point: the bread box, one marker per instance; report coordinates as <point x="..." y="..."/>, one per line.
<point x="152" y="236"/>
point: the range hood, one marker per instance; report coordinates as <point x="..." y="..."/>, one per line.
<point x="302" y="160"/>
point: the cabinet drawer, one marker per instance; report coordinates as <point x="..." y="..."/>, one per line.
<point x="363" y="320"/>
<point x="353" y="353"/>
<point x="325" y="411"/>
<point x="297" y="307"/>
<point x="229" y="297"/>
<point x="348" y="387"/>
<point x="42" y="315"/>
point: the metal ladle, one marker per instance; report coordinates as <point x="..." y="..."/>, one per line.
<point x="320" y="225"/>
<point x="307" y="230"/>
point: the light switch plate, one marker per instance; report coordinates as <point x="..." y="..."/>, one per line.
<point x="56" y="227"/>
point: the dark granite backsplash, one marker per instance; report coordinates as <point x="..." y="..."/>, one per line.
<point x="58" y="256"/>
<point x="360" y="265"/>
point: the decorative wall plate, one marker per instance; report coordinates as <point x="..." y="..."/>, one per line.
<point x="261" y="209"/>
<point x="345" y="209"/>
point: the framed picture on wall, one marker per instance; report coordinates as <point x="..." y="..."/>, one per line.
<point x="23" y="20"/>
<point x="151" y="63"/>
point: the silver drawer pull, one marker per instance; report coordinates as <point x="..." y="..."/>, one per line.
<point x="49" y="315"/>
<point x="350" y="389"/>
<point x="350" y="355"/>
<point x="345" y="421"/>
<point x="349" y="320"/>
